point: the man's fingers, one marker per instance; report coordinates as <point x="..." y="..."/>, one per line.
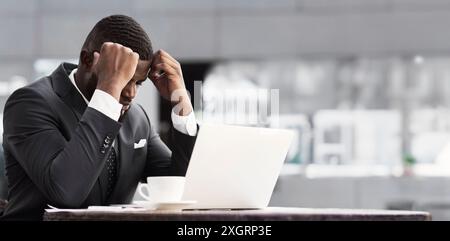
<point x="134" y="57"/>
<point x="159" y="61"/>
<point x="163" y="57"/>
<point x="162" y="65"/>
<point x="105" y="45"/>
<point x="167" y="55"/>
<point x="154" y="75"/>
<point x="162" y="68"/>
<point x="173" y="63"/>
<point x="95" y="59"/>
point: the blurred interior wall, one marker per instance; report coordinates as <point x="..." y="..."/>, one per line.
<point x="217" y="29"/>
<point x="196" y="30"/>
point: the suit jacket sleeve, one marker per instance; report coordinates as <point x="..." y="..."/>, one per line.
<point x="64" y="170"/>
<point x="161" y="161"/>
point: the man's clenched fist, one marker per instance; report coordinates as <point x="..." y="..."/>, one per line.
<point x="115" y="65"/>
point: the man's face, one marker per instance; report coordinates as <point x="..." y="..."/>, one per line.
<point x="130" y="90"/>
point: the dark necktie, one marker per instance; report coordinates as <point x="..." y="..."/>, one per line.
<point x="111" y="169"/>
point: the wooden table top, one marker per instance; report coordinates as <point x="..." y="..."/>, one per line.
<point x="268" y="214"/>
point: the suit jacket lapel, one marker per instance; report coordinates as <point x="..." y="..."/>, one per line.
<point x="126" y="148"/>
<point x="66" y="91"/>
<point x="76" y="101"/>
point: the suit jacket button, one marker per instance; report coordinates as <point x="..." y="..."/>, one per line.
<point x="102" y="150"/>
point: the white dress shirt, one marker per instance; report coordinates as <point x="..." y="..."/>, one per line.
<point x="109" y="106"/>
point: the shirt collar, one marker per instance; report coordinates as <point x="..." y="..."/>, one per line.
<point x="72" y="79"/>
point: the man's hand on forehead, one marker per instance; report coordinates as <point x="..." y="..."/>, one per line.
<point x="166" y="75"/>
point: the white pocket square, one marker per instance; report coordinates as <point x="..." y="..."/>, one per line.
<point x="140" y="144"/>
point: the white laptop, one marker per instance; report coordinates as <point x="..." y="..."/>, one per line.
<point x="235" y="167"/>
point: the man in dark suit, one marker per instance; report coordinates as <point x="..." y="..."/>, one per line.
<point x="75" y="138"/>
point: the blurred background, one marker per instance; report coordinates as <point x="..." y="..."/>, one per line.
<point x="365" y="84"/>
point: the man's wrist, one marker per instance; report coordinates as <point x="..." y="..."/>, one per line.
<point x="106" y="104"/>
<point x="186" y="108"/>
<point x="183" y="108"/>
<point x="111" y="90"/>
<point x="185" y="124"/>
<point x="181" y="103"/>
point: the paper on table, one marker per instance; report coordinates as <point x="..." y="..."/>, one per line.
<point x="116" y="208"/>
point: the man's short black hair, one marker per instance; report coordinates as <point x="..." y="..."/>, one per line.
<point x="123" y="30"/>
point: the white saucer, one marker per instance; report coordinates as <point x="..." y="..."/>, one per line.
<point x="176" y="205"/>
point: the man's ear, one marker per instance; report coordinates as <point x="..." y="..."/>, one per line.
<point x="87" y="59"/>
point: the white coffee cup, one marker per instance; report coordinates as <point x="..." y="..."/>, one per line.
<point x="163" y="189"/>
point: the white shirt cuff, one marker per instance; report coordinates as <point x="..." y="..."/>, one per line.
<point x="185" y="124"/>
<point x="106" y="104"/>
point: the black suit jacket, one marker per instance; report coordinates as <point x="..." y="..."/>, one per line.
<point x="56" y="147"/>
